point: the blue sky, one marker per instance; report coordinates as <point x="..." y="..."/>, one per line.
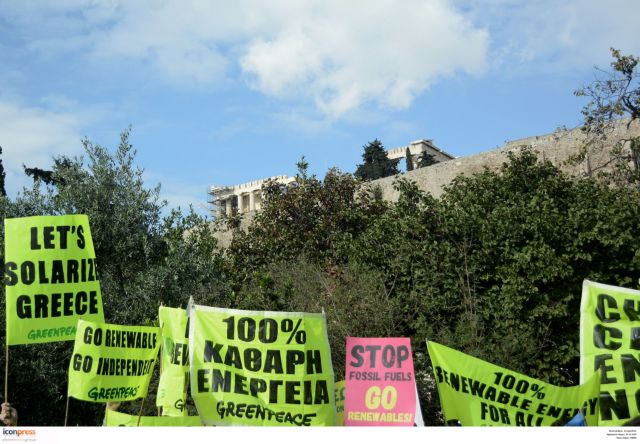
<point x="221" y="92"/>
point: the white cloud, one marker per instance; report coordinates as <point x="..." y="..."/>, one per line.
<point x="346" y="55"/>
<point x="32" y="136"/>
<point x="339" y="55"/>
<point x="555" y="36"/>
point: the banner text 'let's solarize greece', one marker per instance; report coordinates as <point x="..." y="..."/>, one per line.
<point x="260" y="368"/>
<point x="610" y="342"/>
<point x="474" y="392"/>
<point x="50" y="278"/>
<point x="112" y="362"/>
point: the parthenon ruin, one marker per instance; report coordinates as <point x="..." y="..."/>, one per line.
<point x="243" y="198"/>
<point x="247" y="197"/>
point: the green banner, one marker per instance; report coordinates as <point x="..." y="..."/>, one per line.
<point x="610" y="342"/>
<point x="112" y="362"/>
<point x="339" y="390"/>
<point x="50" y="278"/>
<point x="260" y="368"/>
<point x="474" y="392"/>
<point x="117" y="419"/>
<point x="174" y="364"/>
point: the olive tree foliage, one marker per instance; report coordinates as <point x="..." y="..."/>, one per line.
<point x="613" y="95"/>
<point x="144" y="259"/>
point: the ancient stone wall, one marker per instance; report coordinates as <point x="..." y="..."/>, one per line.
<point x="556" y="147"/>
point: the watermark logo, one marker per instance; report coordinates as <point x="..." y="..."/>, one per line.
<point x="18" y="434"/>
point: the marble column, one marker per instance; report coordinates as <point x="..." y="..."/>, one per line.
<point x="252" y="201"/>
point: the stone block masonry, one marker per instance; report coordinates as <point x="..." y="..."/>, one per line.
<point x="556" y="147"/>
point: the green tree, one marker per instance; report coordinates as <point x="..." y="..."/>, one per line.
<point x="613" y="96"/>
<point x="310" y="217"/>
<point x="292" y="257"/>
<point x="352" y="296"/>
<point x="144" y="258"/>
<point x="408" y="159"/>
<point x="3" y="190"/>
<point x="38" y="174"/>
<point x="426" y="159"/>
<point x="48" y="177"/>
<point x="495" y="266"/>
<point x="303" y="167"/>
<point x="376" y="164"/>
<point x="286" y="265"/>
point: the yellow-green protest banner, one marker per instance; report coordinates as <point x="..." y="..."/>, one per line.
<point x="50" y="278"/>
<point x="474" y="392"/>
<point x="260" y="368"/>
<point x="118" y="419"/>
<point x="112" y="362"/>
<point x="610" y="342"/>
<point x="339" y="389"/>
<point x="172" y="387"/>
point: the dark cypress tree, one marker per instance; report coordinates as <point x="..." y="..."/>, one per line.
<point x="39" y="174"/>
<point x="409" y="159"/>
<point x="3" y="190"/>
<point x="50" y="177"/>
<point x="426" y="160"/>
<point x="376" y="163"/>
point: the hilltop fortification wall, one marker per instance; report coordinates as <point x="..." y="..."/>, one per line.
<point x="556" y="147"/>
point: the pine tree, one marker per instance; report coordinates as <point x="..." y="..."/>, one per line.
<point x="3" y="191"/>
<point x="376" y="163"/>
<point x="426" y="160"/>
<point x="37" y="174"/>
<point x="409" y="159"/>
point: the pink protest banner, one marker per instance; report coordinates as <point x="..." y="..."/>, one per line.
<point x="379" y="382"/>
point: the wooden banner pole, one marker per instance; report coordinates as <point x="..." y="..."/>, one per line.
<point x="66" y="412"/>
<point x="140" y="412"/>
